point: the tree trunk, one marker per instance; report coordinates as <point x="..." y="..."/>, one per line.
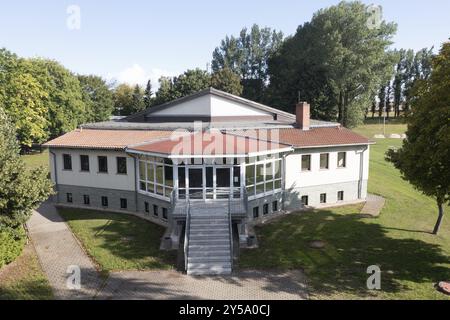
<point x="440" y="216"/>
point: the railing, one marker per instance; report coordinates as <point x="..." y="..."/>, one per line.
<point x="230" y="226"/>
<point x="186" y="234"/>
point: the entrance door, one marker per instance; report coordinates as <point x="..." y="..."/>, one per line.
<point x="195" y="183"/>
<point x="223" y="183"/>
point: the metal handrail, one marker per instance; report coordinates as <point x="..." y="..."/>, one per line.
<point x="186" y="234"/>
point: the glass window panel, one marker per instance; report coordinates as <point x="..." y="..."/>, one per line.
<point x="260" y="188"/>
<point x="259" y="173"/>
<point x="277" y="168"/>
<point x="168" y="191"/>
<point x="341" y="160"/>
<point x="269" y="186"/>
<point x="159" y="190"/>
<point x="236" y="176"/>
<point x="142" y="170"/>
<point x="150" y="187"/>
<point x="250" y="191"/>
<point x="306" y="162"/>
<point x="324" y="160"/>
<point x="142" y="185"/>
<point x="181" y="177"/>
<point x="269" y="171"/>
<point x="250" y="175"/>
<point x="277" y="184"/>
<point x="168" y="176"/>
<point x="150" y="172"/>
<point x="159" y="174"/>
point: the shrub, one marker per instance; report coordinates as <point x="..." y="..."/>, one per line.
<point x="11" y="245"/>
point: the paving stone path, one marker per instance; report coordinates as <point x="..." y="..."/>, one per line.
<point x="57" y="248"/>
<point x="373" y="205"/>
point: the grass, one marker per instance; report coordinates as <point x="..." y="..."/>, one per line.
<point x="119" y="242"/>
<point x="399" y="241"/>
<point x="36" y="159"/>
<point x="24" y="279"/>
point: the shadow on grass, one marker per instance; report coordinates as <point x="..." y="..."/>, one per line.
<point x="125" y="241"/>
<point x="26" y="290"/>
<point x="352" y="244"/>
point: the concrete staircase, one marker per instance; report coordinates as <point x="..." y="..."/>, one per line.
<point x="209" y="243"/>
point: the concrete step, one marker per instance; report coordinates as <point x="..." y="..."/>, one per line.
<point x="208" y="219"/>
<point x="208" y="233"/>
<point x="209" y="272"/>
<point x="209" y="253"/>
<point x="195" y="230"/>
<point x="210" y="242"/>
<point x="217" y="266"/>
<point x="201" y="248"/>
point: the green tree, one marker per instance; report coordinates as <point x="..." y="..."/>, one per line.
<point x="248" y="55"/>
<point x="337" y="57"/>
<point x="227" y="80"/>
<point x="123" y="100"/>
<point x="148" y="95"/>
<point x="23" y="99"/>
<point x="97" y="97"/>
<point x="21" y="190"/>
<point x="66" y="108"/>
<point x="423" y="159"/>
<point x="138" y="100"/>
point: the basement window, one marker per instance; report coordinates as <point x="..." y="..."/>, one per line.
<point x="104" y="201"/>
<point x="164" y="213"/>
<point x="86" y="199"/>
<point x="265" y="209"/>
<point x="323" y="198"/>
<point x="340" y="195"/>
<point x="69" y="198"/>
<point x="146" y="207"/>
<point x="275" y="206"/>
<point x="255" y="212"/>
<point x="123" y="203"/>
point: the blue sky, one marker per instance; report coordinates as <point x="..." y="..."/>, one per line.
<point x="135" y="40"/>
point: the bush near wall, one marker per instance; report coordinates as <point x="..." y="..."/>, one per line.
<point x="11" y="245"/>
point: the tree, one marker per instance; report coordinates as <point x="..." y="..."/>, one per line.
<point x="423" y="159"/>
<point x="123" y="99"/>
<point x="66" y="107"/>
<point x="148" y="99"/>
<point x="247" y="56"/>
<point x="97" y="97"/>
<point x="138" y="100"/>
<point x="21" y="190"/>
<point x="344" y="59"/>
<point x="227" y="80"/>
<point x="23" y="99"/>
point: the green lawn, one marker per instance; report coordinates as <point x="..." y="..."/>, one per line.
<point x="118" y="241"/>
<point x="24" y="279"/>
<point x="411" y="259"/>
<point x="36" y="159"/>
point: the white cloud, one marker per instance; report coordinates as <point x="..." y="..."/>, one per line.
<point x="136" y="74"/>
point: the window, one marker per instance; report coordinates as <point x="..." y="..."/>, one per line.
<point x="155" y="210"/>
<point x="255" y="212"/>
<point x="164" y="213"/>
<point x="324" y="160"/>
<point x="305" y="200"/>
<point x="264" y="176"/>
<point x="102" y="164"/>
<point x="156" y="176"/>
<point x="69" y="197"/>
<point x="121" y="165"/>
<point x="341" y="162"/>
<point x="123" y="203"/>
<point x="84" y="162"/>
<point x="104" y="201"/>
<point x="146" y="207"/>
<point x="306" y="162"/>
<point x="86" y="199"/>
<point x="340" y="195"/>
<point x="265" y="209"/>
<point x="67" y="159"/>
<point x="323" y="198"/>
<point x="275" y="206"/>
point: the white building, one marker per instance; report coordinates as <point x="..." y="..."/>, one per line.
<point x="206" y="162"/>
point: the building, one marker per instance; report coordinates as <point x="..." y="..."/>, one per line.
<point x="208" y="164"/>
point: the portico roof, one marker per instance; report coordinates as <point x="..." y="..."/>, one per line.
<point x="209" y="144"/>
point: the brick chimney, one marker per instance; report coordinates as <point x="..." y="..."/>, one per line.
<point x="302" y="115"/>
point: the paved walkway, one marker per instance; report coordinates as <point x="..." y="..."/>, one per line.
<point x="373" y="205"/>
<point x="57" y="249"/>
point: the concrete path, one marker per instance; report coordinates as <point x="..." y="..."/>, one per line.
<point x="373" y="205"/>
<point x="248" y="285"/>
<point x="58" y="249"/>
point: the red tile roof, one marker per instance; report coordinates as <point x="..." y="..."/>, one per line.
<point x="105" y="139"/>
<point x="315" y="137"/>
<point x="209" y="143"/>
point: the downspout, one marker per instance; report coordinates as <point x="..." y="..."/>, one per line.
<point x="135" y="185"/>
<point x="56" y="171"/>
<point x="361" y="171"/>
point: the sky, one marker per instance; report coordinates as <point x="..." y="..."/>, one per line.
<point x="132" y="41"/>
